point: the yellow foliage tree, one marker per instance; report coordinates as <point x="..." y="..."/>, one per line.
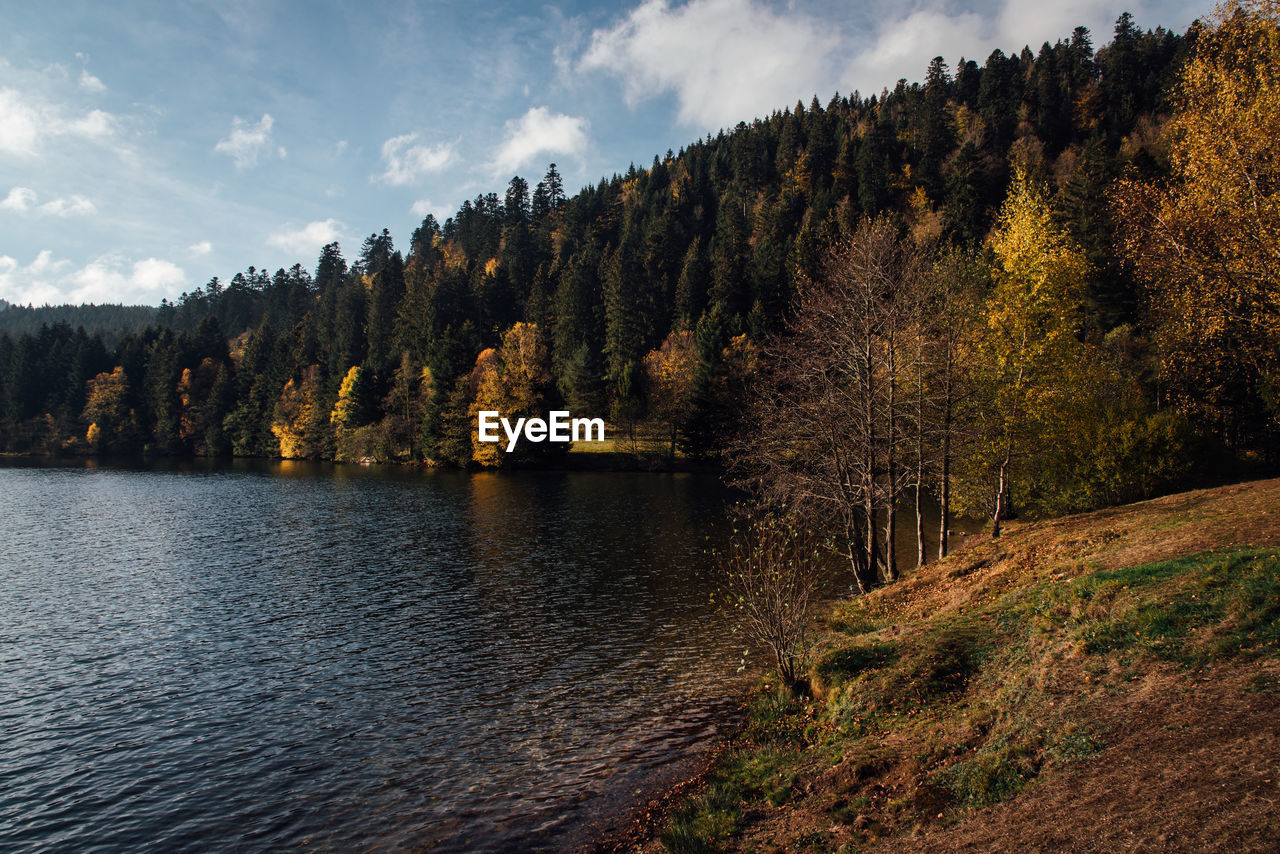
<point x="1207" y="244"/>
<point x="346" y="409"/>
<point x="1029" y="355"/>
<point x="296" y="422"/>
<point x="513" y="380"/>
<point x="110" y="420"/>
<point x="490" y="394"/>
<point x="671" y="373"/>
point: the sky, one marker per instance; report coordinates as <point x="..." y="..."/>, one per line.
<point x="146" y="147"/>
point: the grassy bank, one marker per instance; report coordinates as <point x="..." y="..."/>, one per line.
<point x="1109" y="681"/>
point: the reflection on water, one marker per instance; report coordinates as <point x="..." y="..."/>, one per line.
<point x="291" y="655"/>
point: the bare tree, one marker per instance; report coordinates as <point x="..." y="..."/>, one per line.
<point x="828" y="418"/>
<point x="770" y="578"/>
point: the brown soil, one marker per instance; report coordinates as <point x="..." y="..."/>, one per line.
<point x="1191" y="766"/>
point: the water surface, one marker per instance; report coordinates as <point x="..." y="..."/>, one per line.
<point x="288" y="655"/>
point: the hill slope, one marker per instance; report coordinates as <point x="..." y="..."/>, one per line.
<point x="1108" y="681"/>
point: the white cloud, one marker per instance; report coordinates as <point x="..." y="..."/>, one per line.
<point x="19" y="124"/>
<point x="89" y="83"/>
<point x="109" y="279"/>
<point x="407" y="163"/>
<point x="71" y="206"/>
<point x="93" y="125"/>
<point x="25" y="123"/>
<point x="539" y="132"/>
<point x="18" y="200"/>
<point x="422" y="207"/>
<point x="200" y="249"/>
<point x="725" y="60"/>
<point x="903" y="48"/>
<point x="1020" y="23"/>
<point x="248" y="140"/>
<point x="105" y="280"/>
<point x="308" y="240"/>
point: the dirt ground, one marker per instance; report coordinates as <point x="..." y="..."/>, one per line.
<point x="1189" y="766"/>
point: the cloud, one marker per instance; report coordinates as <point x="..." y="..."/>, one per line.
<point x="902" y="48"/>
<point x="21" y="199"/>
<point x="539" y="132"/>
<point x="308" y="240"/>
<point x="246" y="141"/>
<point x="422" y="207"/>
<point x="105" y="280"/>
<point x="89" y="83"/>
<point x="1019" y="24"/>
<point x="95" y="124"/>
<point x="20" y="124"/>
<point x="200" y="249"/>
<point x="109" y="279"/>
<point x="18" y="200"/>
<point x="407" y="163"/>
<point x="71" y="206"/>
<point x="725" y="60"/>
<point x="26" y="123"/>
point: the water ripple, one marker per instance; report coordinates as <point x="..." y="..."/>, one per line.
<point x="294" y="656"/>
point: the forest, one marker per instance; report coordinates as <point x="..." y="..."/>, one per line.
<point x="1040" y="283"/>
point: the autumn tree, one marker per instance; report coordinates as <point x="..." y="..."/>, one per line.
<point x="1029" y="355"/>
<point x="827" y="416"/>
<point x="515" y="381"/>
<point x="112" y="424"/>
<point x="353" y="437"/>
<point x="670" y="374"/>
<point x="1207" y="243"/>
<point x="300" y="420"/>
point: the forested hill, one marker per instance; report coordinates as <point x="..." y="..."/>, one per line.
<point x="109" y="321"/>
<point x="641" y="298"/>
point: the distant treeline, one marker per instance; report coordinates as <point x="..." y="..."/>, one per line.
<point x="108" y="321"/>
<point x="652" y="296"/>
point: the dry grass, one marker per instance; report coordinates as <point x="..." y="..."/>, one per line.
<point x="1108" y="681"/>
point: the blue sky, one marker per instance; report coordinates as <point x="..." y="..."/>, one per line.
<point x="146" y="147"/>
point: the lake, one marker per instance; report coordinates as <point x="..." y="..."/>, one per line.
<point x="289" y="655"/>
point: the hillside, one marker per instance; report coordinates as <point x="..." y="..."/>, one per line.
<point x="1107" y="681"/>
<point x="109" y="322"/>
<point x="685" y="261"/>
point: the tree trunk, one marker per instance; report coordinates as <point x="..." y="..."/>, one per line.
<point x="1002" y="499"/>
<point x="891" y="467"/>
<point x="944" y="510"/>
<point x="921" y="556"/>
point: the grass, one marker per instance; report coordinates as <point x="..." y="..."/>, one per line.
<point x="647" y="440"/>
<point x="1210" y="606"/>
<point x="942" y="699"/>
<point x="713" y="816"/>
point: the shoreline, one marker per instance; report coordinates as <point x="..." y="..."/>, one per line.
<point x="608" y="461"/>
<point x="642" y="822"/>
